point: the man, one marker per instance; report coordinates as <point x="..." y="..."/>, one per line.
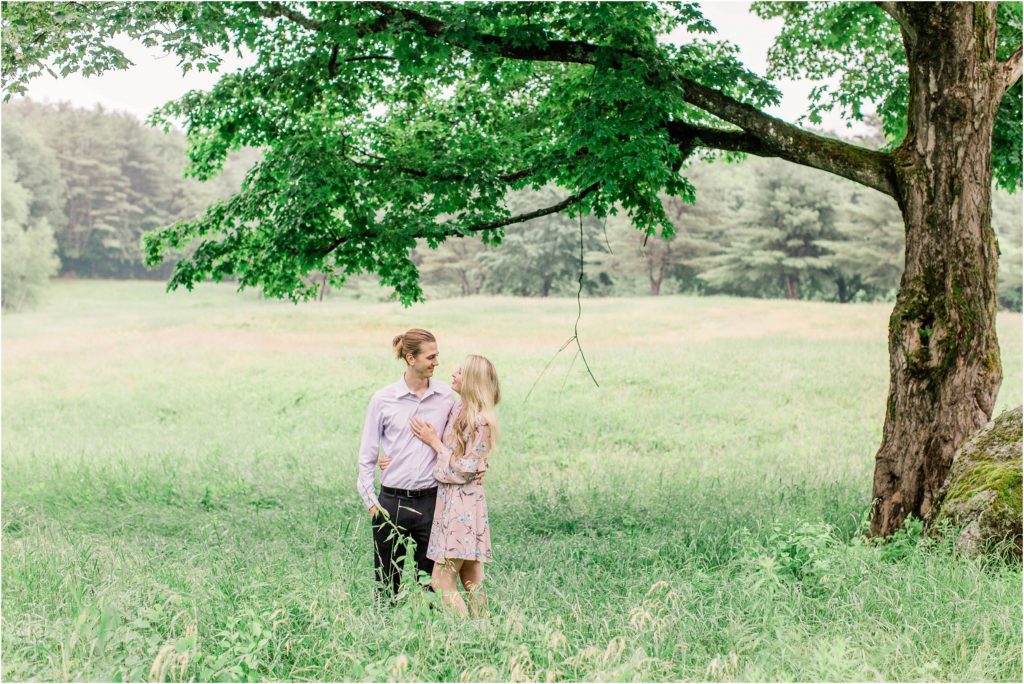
<point x="408" y="492"/>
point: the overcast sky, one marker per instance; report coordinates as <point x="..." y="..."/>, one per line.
<point x="156" y="79"/>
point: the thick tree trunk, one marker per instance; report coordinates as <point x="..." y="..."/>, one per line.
<point x="944" y="358"/>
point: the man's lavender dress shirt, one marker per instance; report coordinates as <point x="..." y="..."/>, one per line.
<point x="387" y="428"/>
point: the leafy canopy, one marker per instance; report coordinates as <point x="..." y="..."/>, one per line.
<point x="371" y="135"/>
<point x="384" y="123"/>
<point x="858" y="46"/>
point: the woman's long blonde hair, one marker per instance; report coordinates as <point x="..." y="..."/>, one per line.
<point x="480" y="394"/>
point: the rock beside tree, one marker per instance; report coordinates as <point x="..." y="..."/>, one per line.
<point x="983" y="490"/>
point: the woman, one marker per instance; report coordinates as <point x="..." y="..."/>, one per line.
<point x="460" y="539"/>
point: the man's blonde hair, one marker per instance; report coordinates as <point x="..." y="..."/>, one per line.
<point x="411" y="341"/>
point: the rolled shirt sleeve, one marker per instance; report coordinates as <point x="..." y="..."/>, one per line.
<point x="369" y="449"/>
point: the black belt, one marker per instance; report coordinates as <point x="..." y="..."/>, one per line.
<point x="408" y="493"/>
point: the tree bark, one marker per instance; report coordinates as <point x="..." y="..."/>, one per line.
<point x="654" y="279"/>
<point x="944" y="364"/>
<point x="841" y="290"/>
<point x="792" y="286"/>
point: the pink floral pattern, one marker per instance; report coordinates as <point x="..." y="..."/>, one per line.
<point x="460" y="527"/>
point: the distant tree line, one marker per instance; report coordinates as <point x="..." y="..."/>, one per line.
<point x="760" y="228"/>
<point x="81" y="186"/>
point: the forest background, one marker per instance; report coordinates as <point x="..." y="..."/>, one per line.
<point x="81" y="186"/>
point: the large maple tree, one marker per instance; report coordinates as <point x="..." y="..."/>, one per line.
<point x="384" y="123"/>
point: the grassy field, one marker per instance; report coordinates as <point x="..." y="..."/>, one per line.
<point x="179" y="496"/>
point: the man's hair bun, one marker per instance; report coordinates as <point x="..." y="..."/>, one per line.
<point x="411" y="341"/>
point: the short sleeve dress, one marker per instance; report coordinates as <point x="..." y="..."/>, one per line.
<point x="460" y="528"/>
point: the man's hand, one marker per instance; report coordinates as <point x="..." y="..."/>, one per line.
<point x="384" y="462"/>
<point x="374" y="510"/>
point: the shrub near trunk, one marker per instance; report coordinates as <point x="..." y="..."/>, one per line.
<point x="983" y="491"/>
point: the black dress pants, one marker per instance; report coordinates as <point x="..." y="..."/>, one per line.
<point x="410" y="521"/>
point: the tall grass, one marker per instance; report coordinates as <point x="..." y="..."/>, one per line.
<point x="179" y="500"/>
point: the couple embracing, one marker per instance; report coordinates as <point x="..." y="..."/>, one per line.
<point x="435" y="450"/>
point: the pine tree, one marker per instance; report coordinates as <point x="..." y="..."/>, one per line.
<point x="27" y="247"/>
<point x="90" y="149"/>
<point x="104" y="180"/>
<point x="867" y="256"/>
<point x="777" y="245"/>
<point x="457" y="266"/>
<point x="638" y="262"/>
<point x="38" y="171"/>
<point x="542" y="256"/>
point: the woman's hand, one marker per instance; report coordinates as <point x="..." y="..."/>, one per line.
<point x="426" y="432"/>
<point x="384" y="462"/>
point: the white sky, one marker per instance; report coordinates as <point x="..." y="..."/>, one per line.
<point x="155" y="79"/>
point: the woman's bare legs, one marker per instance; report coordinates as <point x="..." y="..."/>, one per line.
<point x="472" y="575"/>
<point x="444" y="579"/>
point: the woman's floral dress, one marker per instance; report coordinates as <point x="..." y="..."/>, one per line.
<point x="460" y="527"/>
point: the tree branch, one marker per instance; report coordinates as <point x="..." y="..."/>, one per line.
<point x="386" y="163"/>
<point x="867" y="167"/>
<point x="480" y="227"/>
<point x="420" y="173"/>
<point x="688" y="136"/>
<point x="332" y="63"/>
<point x="273" y="10"/>
<point x="553" y="209"/>
<point x="893" y="10"/>
<point x="790" y="142"/>
<point x="889" y="8"/>
<point x="1011" y="69"/>
<point x="570" y="51"/>
<point x="366" y="58"/>
<point x="777" y="137"/>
